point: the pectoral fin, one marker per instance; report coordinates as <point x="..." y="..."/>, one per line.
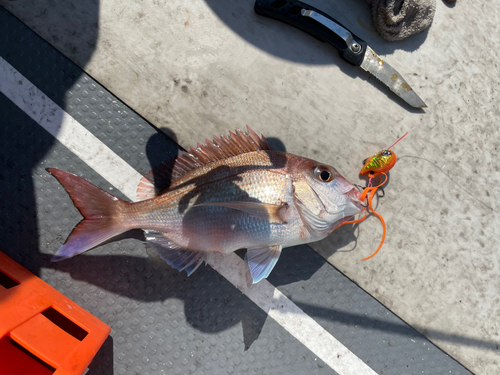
<point x="261" y="261"/>
<point x="175" y="255"/>
<point x="274" y="213"/>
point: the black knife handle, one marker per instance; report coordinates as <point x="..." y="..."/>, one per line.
<point x="291" y="12"/>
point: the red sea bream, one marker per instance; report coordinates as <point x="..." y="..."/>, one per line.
<point x="232" y="193"/>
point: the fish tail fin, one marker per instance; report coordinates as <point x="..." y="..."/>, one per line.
<point x="101" y="215"/>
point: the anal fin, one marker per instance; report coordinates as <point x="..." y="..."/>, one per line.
<point x="175" y="255"/>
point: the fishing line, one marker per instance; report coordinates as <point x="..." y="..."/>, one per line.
<point x="398" y="140"/>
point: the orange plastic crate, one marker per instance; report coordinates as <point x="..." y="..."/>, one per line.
<point x="41" y="330"/>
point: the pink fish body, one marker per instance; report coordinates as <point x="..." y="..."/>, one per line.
<point x="233" y="193"/>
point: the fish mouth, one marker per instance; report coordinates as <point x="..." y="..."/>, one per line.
<point x="353" y="207"/>
<point x="355" y="197"/>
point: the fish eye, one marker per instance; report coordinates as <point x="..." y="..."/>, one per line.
<point x="386" y="153"/>
<point x="323" y="174"/>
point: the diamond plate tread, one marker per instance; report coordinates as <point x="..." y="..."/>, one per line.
<point x="162" y="321"/>
<point x="371" y="331"/>
<point x="82" y="97"/>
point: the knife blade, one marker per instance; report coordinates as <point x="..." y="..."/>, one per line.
<point x="351" y="48"/>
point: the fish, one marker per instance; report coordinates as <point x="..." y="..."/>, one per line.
<point x="231" y="193"/>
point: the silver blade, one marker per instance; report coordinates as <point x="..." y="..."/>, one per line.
<point x="390" y="77"/>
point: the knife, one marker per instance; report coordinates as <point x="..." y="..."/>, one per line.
<point x="352" y="48"/>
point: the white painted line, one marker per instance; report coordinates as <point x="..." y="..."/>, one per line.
<point x="291" y="317"/>
<point x="67" y="130"/>
<point x="120" y="174"/>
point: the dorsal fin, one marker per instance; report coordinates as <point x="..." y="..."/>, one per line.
<point x="220" y="148"/>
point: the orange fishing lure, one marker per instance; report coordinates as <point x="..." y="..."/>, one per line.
<point x="376" y="166"/>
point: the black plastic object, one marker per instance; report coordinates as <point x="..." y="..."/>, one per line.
<point x="290" y="12"/>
